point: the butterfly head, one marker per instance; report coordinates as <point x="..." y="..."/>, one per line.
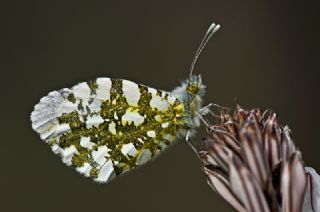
<point x="194" y="92"/>
<point x="195" y="87"/>
<point x="190" y="93"/>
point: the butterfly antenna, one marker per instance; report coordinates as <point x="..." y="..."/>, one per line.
<point x="211" y="30"/>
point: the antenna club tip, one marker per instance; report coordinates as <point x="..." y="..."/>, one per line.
<point x="214" y="27"/>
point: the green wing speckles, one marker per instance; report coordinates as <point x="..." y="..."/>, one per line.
<point x="106" y="127"/>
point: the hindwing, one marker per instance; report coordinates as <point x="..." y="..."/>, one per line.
<point x="105" y="127"/>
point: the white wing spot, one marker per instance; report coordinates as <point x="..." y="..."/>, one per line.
<point x="55" y="148"/>
<point x="128" y="149"/>
<point x="165" y="125"/>
<point x="94" y="120"/>
<point x="132" y="116"/>
<point x="82" y="90"/>
<point x="151" y="133"/>
<point x="66" y="107"/>
<point x="62" y="128"/>
<point x="171" y="99"/>
<point x="85" y="142"/>
<point x="105" y="173"/>
<point x="95" y="106"/>
<point x="99" y="156"/>
<point x="112" y="128"/>
<point x="131" y="92"/>
<point x="67" y="154"/>
<point x="159" y="103"/>
<point x="157" y="118"/>
<point x="103" y="90"/>
<point x="85" y="169"/>
<point x="53" y="130"/>
<point x="152" y="90"/>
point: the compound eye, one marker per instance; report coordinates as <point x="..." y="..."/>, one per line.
<point x="192" y="88"/>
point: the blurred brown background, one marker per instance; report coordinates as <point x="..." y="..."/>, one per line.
<point x="266" y="55"/>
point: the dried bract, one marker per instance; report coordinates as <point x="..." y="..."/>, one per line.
<point x="252" y="162"/>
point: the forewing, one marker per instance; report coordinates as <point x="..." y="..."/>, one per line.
<point x="106" y="127"/>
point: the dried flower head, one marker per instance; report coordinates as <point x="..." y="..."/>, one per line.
<point x="252" y="162"/>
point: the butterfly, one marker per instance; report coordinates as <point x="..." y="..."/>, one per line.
<point x="106" y="127"/>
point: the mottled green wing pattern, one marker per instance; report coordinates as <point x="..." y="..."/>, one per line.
<point x="106" y="127"/>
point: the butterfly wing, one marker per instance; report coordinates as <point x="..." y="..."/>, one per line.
<point x="106" y="127"/>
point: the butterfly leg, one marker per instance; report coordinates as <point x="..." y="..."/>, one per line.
<point x="203" y="119"/>
<point x="189" y="142"/>
<point x="204" y="111"/>
<point x="207" y="109"/>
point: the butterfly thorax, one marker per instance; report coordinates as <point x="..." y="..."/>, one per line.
<point x="190" y="93"/>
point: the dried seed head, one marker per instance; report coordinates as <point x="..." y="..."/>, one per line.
<point x="252" y="162"/>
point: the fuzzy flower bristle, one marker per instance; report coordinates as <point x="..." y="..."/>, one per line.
<point x="253" y="163"/>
